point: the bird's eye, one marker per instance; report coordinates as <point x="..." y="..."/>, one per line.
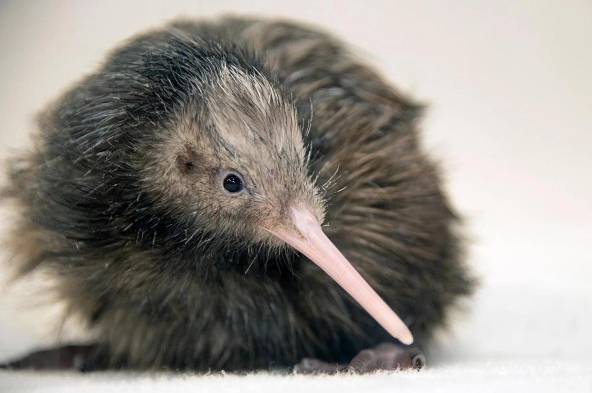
<point x="233" y="183"/>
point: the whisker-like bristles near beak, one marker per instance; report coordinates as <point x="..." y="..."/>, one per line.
<point x="309" y="238"/>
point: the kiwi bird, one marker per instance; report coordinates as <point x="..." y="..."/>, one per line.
<point x="239" y="194"/>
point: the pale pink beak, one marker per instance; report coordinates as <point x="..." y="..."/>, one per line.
<point x="310" y="240"/>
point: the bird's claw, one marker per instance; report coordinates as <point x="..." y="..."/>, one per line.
<point x="384" y="357"/>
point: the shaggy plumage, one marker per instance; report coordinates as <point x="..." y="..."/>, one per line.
<point x="118" y="198"/>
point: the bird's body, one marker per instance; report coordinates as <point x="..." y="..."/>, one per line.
<point x="159" y="266"/>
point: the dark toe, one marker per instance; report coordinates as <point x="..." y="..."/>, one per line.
<point x="386" y="357"/>
<point x="418" y="360"/>
<point x="70" y="357"/>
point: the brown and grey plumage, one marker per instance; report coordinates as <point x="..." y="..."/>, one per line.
<point x="163" y="188"/>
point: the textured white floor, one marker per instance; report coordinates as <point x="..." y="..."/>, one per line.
<point x="510" y="90"/>
<point x="486" y="376"/>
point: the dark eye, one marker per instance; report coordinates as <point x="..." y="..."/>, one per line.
<point x="233" y="183"/>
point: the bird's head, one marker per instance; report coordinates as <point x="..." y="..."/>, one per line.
<point x="234" y="157"/>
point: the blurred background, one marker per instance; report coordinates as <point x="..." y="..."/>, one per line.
<point x="509" y="89"/>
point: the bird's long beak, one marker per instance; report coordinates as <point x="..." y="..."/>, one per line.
<point x="310" y="240"/>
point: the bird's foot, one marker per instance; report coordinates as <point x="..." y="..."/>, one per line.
<point x="384" y="357"/>
<point x="71" y="357"/>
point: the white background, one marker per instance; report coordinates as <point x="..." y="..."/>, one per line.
<point x="510" y="92"/>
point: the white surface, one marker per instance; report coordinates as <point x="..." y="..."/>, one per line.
<point x="482" y="377"/>
<point x="510" y="89"/>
